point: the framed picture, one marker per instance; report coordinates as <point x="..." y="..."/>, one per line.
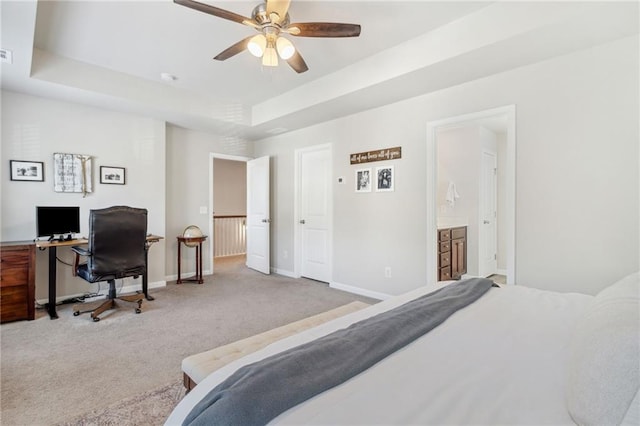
<point x="27" y="170"/>
<point x="112" y="175"/>
<point x="363" y="180"/>
<point x="384" y="178"/>
<point x="72" y="173"/>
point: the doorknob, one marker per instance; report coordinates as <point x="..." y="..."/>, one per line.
<point x="302" y="222"/>
<point x="266" y="220"/>
<point x="486" y="222"/>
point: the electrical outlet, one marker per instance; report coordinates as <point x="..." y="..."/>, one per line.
<point x="387" y="272"/>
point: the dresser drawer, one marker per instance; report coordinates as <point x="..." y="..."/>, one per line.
<point x="445" y="274"/>
<point x="444" y="235"/>
<point x="14" y="276"/>
<point x="458" y="233"/>
<point x="445" y="246"/>
<point x="14" y="303"/>
<point x="445" y="259"/>
<point x="18" y="257"/>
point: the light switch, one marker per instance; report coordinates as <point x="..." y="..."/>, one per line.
<point x="203" y="209"/>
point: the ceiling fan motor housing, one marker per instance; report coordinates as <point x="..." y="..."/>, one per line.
<point x="261" y="16"/>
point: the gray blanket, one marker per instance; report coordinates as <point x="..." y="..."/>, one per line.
<point x="259" y="392"/>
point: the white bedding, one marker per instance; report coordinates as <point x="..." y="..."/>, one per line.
<point x="501" y="360"/>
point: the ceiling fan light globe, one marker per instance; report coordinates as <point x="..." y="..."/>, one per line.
<point x="285" y="48"/>
<point x="270" y="57"/>
<point x="257" y="45"/>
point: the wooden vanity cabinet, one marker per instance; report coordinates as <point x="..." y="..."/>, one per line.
<point x="452" y="253"/>
<point x="17" y="281"/>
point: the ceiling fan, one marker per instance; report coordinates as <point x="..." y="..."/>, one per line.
<point x="271" y="19"/>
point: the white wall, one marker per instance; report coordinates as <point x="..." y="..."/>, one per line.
<point x="167" y="171"/>
<point x="34" y="128"/>
<point x="189" y="187"/>
<point x="229" y="187"/>
<point x="577" y="183"/>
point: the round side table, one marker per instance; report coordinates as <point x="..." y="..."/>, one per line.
<point x="191" y="242"/>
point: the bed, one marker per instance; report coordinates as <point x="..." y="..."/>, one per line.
<point x="516" y="355"/>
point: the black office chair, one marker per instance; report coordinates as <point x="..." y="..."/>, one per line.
<point x="117" y="238"/>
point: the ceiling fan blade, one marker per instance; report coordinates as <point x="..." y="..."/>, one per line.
<point x="212" y="10"/>
<point x="233" y="50"/>
<point x="297" y="63"/>
<point x="323" y="29"/>
<point x="281" y="7"/>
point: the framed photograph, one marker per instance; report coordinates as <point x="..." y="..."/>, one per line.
<point x="112" y="175"/>
<point x="27" y="170"/>
<point x="384" y="178"/>
<point x="363" y="180"/>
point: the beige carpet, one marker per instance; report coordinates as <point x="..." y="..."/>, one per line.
<point x="149" y="408"/>
<point x="55" y="371"/>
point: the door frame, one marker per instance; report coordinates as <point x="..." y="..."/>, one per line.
<point x="432" y="179"/>
<point x="297" y="234"/>
<point x="212" y="156"/>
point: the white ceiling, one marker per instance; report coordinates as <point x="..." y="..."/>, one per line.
<point x="111" y="54"/>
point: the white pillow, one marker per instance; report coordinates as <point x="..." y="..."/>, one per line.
<point x="604" y="363"/>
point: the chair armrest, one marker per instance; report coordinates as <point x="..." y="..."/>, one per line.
<point x="79" y="251"/>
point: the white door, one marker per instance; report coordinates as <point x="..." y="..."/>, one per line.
<point x="314" y="212"/>
<point x="488" y="215"/>
<point x="258" y="218"/>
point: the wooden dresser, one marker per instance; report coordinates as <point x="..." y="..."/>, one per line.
<point x="452" y="253"/>
<point x="17" y="281"/>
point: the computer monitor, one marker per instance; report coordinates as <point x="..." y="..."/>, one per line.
<point x="52" y="221"/>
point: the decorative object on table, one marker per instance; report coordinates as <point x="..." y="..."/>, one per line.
<point x="384" y="178"/>
<point x="384" y="154"/>
<point x="363" y="180"/>
<point x="112" y="175"/>
<point x="72" y="173"/>
<point x="27" y="170"/>
<point x="191" y="231"/>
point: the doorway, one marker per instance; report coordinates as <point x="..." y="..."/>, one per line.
<point x="489" y="118"/>
<point x="467" y="189"/>
<point x="313" y="213"/>
<point x="227" y="204"/>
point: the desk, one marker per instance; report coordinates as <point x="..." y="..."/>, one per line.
<point x="53" y="251"/>
<point x="197" y="243"/>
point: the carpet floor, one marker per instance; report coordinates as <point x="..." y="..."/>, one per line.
<point x="71" y="369"/>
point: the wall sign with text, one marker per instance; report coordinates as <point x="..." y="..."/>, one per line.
<point x="377" y="155"/>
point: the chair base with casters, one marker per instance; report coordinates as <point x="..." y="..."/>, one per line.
<point x="96" y="308"/>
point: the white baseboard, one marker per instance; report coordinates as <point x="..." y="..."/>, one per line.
<point x="359" y="291"/>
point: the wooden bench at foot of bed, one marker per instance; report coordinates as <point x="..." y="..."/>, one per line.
<point x="196" y="367"/>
